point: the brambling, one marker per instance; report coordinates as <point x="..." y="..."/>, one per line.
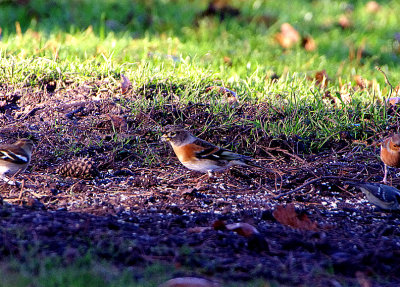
<point x="390" y="153"/>
<point x="200" y="155"/>
<point x="384" y="196"/>
<point x="14" y="158"/>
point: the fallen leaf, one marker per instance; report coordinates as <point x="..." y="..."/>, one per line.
<point x="288" y="36"/>
<point x="288" y="216"/>
<point x="360" y="82"/>
<point x="309" y="44"/>
<point x="372" y="7"/>
<point x="394" y="101"/>
<point x="242" y="228"/>
<point x="228" y="61"/>
<point x="220" y="8"/>
<point x="118" y="122"/>
<point x="345" y="22"/>
<point x="321" y="78"/>
<point x="189" y="282"/>
<point x="125" y="84"/>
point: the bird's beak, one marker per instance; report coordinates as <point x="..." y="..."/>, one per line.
<point x="165" y="138"/>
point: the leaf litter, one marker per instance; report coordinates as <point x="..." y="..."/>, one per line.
<point x="143" y="206"/>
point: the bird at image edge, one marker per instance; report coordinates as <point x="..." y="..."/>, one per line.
<point x="14" y="158"/>
<point x="384" y="196"/>
<point x="200" y="155"/>
<point x="390" y="153"/>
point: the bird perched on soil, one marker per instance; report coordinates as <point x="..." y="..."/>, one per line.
<point x="390" y="153"/>
<point x="200" y="155"/>
<point x="14" y="158"/>
<point x="384" y="196"/>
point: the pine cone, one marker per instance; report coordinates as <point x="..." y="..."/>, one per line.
<point x="79" y="168"/>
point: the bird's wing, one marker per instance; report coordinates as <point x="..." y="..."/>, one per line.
<point x="14" y="155"/>
<point x="213" y="152"/>
<point x="207" y="150"/>
<point x="382" y="195"/>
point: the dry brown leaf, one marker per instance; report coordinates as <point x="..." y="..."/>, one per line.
<point x="372" y="7"/>
<point x="288" y="216"/>
<point x="242" y="228"/>
<point x="220" y="4"/>
<point x="345" y="22"/>
<point x="189" y="282"/>
<point x="321" y="78"/>
<point x="220" y="8"/>
<point x="361" y="83"/>
<point x="309" y="44"/>
<point x="288" y="36"/>
<point x="394" y="101"/>
<point x="125" y="84"/>
<point x="118" y="122"/>
<point x="228" y="61"/>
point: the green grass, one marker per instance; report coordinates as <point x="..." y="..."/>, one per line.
<point x="121" y="36"/>
<point x="159" y="44"/>
<point x="88" y="272"/>
<point x="84" y="272"/>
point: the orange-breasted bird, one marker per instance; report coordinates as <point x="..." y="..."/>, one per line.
<point x="14" y="158"/>
<point x="200" y="155"/>
<point x="390" y="153"/>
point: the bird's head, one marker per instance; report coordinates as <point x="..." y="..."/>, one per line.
<point x="176" y="135"/>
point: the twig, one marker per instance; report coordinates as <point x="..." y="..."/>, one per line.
<point x="266" y="149"/>
<point x="22" y="189"/>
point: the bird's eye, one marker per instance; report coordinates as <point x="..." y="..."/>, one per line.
<point x="172" y="134"/>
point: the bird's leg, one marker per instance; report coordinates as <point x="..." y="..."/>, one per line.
<point x="385" y="174"/>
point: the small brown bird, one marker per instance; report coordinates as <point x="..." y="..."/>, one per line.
<point x="14" y="158"/>
<point x="384" y="196"/>
<point x="390" y="153"/>
<point x="200" y="155"/>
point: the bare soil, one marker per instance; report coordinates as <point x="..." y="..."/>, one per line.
<point x="140" y="206"/>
